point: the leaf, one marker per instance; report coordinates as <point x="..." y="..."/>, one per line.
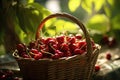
<point x="99" y="23"/>
<point x="30" y="16"/>
<point x="111" y="2"/>
<point x="116" y="22"/>
<point x="30" y="1"/>
<point x="98" y="4"/>
<point x="87" y="5"/>
<point x="73" y="4"/>
<point x="62" y="25"/>
<point x="107" y="11"/>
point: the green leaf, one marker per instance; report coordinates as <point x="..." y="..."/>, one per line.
<point x="116" y="22"/>
<point x="62" y="25"/>
<point x="98" y="4"/>
<point x="29" y="16"/>
<point x="74" y="4"/>
<point x="30" y="1"/>
<point x="99" y="23"/>
<point x="107" y="10"/>
<point x="87" y="5"/>
<point x="111" y="2"/>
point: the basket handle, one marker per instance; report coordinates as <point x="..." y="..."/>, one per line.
<point x="75" y="20"/>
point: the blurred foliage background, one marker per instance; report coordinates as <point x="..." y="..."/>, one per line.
<point x="19" y="19"/>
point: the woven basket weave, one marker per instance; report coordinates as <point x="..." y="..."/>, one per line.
<point x="77" y="67"/>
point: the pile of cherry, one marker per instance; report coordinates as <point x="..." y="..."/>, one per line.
<point x="7" y="75"/>
<point x="54" y="47"/>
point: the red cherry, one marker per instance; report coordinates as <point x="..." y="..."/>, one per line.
<point x="60" y="39"/>
<point x="59" y="52"/>
<point x="78" y="51"/>
<point x="64" y="47"/>
<point x="108" y="56"/>
<point x="20" y="47"/>
<point x="71" y="40"/>
<point x="105" y="39"/>
<point x="112" y="42"/>
<point x="97" y="68"/>
<point x="78" y="36"/>
<point x="32" y="45"/>
<point x="35" y="51"/>
<point x="25" y="56"/>
<point x="38" y="56"/>
<point x="56" y="56"/>
<point x="82" y="45"/>
<point x="67" y="54"/>
<point x="49" y="40"/>
<point x="72" y="47"/>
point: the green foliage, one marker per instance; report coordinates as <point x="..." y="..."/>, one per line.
<point x="74" y="4"/>
<point x="29" y="17"/>
<point x="103" y="16"/>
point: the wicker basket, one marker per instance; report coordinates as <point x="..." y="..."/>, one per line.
<point x="77" y="67"/>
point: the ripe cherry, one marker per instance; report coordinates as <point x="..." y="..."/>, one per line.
<point x="35" y="51"/>
<point x="97" y="68"/>
<point x="64" y="47"/>
<point x="20" y="48"/>
<point x="67" y="54"/>
<point x="78" y="36"/>
<point x="56" y="56"/>
<point x="78" y="51"/>
<point x="71" y="40"/>
<point x="108" y="56"/>
<point x="60" y="39"/>
<point x="38" y="56"/>
<point x="59" y="52"/>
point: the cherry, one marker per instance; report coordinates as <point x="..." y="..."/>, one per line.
<point x="112" y="42"/>
<point x="56" y="56"/>
<point x="78" y="51"/>
<point x="60" y="39"/>
<point x="25" y="56"/>
<point x="38" y="56"/>
<point x="64" y="47"/>
<point x="78" y="36"/>
<point x="20" y="48"/>
<point x="82" y="45"/>
<point x="32" y="45"/>
<point x="50" y="40"/>
<point x="71" y="40"/>
<point x="67" y="54"/>
<point x="59" y="52"/>
<point x="35" y="51"/>
<point x="105" y="39"/>
<point x="97" y="68"/>
<point x="108" y="56"/>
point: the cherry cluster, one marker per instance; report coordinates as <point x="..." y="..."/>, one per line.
<point x="7" y="75"/>
<point x="108" y="40"/>
<point x="54" y="47"/>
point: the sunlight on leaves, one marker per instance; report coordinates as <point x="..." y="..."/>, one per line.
<point x="98" y="4"/>
<point x="87" y="5"/>
<point x="30" y="1"/>
<point x="98" y="22"/>
<point x="74" y="4"/>
<point x="116" y="22"/>
<point x="62" y="25"/>
<point x="111" y="2"/>
<point x="107" y="11"/>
